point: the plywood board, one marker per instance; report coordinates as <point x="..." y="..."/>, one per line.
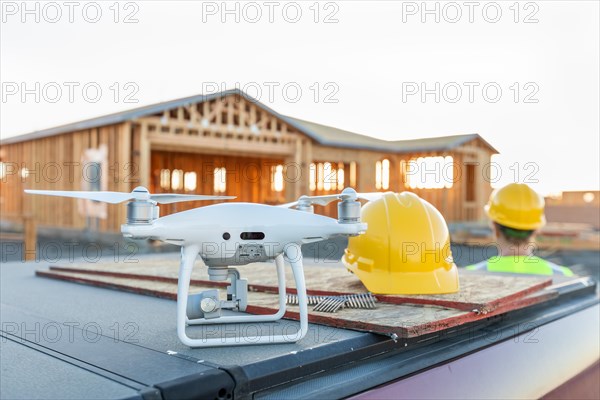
<point x="404" y="320"/>
<point x="482" y="292"/>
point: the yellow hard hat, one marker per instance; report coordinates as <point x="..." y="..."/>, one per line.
<point x="516" y="206"/>
<point x="406" y="249"/>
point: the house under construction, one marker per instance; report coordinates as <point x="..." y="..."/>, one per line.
<point x="229" y="143"/>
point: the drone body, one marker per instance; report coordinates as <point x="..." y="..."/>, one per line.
<point x="229" y="234"/>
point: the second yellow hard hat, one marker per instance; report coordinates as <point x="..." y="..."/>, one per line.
<point x="516" y="206"/>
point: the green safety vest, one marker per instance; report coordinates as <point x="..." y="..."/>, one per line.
<point x="521" y="265"/>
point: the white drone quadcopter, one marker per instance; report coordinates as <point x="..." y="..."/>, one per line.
<point x="228" y="234"/>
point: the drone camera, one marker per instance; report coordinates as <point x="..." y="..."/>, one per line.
<point x="205" y="304"/>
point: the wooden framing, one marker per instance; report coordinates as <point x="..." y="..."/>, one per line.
<point x="231" y="131"/>
<point x="55" y="163"/>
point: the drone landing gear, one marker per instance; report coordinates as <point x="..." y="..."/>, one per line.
<point x="210" y="306"/>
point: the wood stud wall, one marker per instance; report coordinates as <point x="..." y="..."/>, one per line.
<point x="63" y="153"/>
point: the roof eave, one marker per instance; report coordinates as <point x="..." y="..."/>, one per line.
<point x="117" y="118"/>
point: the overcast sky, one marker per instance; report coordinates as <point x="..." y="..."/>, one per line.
<point x="360" y="66"/>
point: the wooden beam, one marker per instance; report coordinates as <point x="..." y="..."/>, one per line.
<point x="200" y="144"/>
<point x="145" y="149"/>
<point x="30" y="242"/>
<point x="307" y="159"/>
<point x="294" y="171"/>
<point x="194" y="114"/>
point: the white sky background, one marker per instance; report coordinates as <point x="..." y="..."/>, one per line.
<point x="369" y="54"/>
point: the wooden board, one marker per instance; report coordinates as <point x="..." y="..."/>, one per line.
<point x="482" y="292"/>
<point x="404" y="316"/>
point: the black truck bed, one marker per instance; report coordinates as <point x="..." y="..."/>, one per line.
<point x="61" y="340"/>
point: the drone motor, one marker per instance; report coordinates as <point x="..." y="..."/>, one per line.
<point x="142" y="212"/>
<point x="348" y="211"/>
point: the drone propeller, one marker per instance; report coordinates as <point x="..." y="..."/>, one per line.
<point x="347" y="194"/>
<point x="139" y="193"/>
